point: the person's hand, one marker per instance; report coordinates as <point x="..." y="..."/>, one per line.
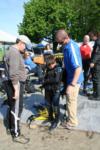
<point x="69" y="90"/>
<point x="16" y="93"/>
<point x="91" y="65"/>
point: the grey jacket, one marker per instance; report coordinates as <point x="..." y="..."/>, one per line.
<point x="15" y="65"/>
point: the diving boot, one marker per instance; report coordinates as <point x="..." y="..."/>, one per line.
<point x="56" y="121"/>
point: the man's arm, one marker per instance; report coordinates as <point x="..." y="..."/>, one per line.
<point x="96" y="56"/>
<point x="76" y="75"/>
<point x="74" y="81"/>
<point x="14" y="66"/>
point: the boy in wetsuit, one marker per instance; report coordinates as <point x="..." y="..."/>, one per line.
<point x="52" y="82"/>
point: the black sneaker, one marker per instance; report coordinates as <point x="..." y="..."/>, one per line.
<point x="21" y="139"/>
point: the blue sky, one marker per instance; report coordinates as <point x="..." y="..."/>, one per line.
<point x="11" y="14"/>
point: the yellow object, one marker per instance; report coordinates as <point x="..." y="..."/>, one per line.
<point x="59" y="55"/>
<point x="43" y="115"/>
<point x="35" y="121"/>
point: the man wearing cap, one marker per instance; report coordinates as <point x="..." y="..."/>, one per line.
<point x="73" y="67"/>
<point x="16" y="73"/>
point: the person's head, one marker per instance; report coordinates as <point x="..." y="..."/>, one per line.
<point x="47" y="47"/>
<point x="62" y="37"/>
<point x="21" y="42"/>
<point x="86" y="39"/>
<point x="26" y="54"/>
<point x="94" y="35"/>
<point x="51" y="63"/>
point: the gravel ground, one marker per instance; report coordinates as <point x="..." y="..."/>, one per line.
<point x="60" y="139"/>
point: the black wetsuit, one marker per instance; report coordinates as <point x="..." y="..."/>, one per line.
<point x="96" y="70"/>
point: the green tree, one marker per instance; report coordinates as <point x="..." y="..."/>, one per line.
<point x="87" y="18"/>
<point x="43" y="17"/>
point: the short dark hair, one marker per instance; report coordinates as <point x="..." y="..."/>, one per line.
<point x="51" y="60"/>
<point x="95" y="33"/>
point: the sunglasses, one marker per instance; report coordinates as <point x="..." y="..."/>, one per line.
<point x="61" y="42"/>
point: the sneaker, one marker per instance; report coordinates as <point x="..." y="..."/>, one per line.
<point x="69" y="126"/>
<point x="21" y="139"/>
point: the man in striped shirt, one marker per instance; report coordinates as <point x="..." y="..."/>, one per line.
<point x="74" y="75"/>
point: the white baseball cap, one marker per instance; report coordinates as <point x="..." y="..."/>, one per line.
<point x="24" y="39"/>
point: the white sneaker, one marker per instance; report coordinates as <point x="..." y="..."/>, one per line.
<point x="21" y="139"/>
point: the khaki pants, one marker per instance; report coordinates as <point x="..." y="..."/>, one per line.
<point x="72" y="105"/>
